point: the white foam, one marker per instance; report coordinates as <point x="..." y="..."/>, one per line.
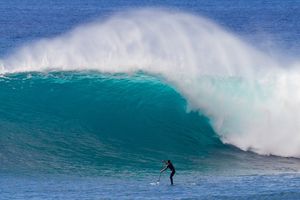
<point x="253" y="102"/>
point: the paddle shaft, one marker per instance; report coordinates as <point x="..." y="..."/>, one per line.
<point x="160" y="173"/>
<point x="159" y="177"/>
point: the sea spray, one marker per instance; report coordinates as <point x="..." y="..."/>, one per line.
<point x="251" y="101"/>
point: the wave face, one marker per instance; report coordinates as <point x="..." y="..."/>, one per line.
<point x="250" y="99"/>
<point x="65" y="120"/>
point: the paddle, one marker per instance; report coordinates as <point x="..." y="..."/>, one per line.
<point x="160" y="174"/>
<point x="159" y="178"/>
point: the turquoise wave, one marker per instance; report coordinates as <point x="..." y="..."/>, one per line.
<point x="250" y="97"/>
<point x="87" y="120"/>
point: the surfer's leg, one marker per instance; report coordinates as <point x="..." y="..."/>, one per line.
<point x="171" y="177"/>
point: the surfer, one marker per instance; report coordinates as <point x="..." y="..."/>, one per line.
<point x="171" y="167"/>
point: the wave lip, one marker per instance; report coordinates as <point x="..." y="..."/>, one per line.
<point x="250" y="99"/>
<point x="130" y="41"/>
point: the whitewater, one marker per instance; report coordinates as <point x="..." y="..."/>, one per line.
<point x="251" y="98"/>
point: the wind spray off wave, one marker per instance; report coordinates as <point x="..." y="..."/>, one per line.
<point x="252" y="102"/>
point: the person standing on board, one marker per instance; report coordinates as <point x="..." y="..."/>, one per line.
<point x="171" y="167"/>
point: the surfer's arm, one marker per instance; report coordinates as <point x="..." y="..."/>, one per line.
<point x="164" y="169"/>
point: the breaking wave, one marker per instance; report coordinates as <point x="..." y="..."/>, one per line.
<point x="249" y="98"/>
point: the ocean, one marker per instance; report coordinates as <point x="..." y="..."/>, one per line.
<point x="95" y="94"/>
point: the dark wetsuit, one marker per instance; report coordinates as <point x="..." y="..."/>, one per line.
<point x="172" y="168"/>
